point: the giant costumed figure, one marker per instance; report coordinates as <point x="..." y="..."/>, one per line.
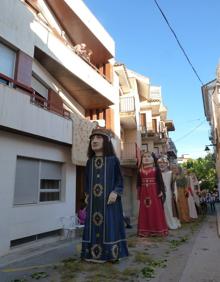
<point x="151" y="193"/>
<point x="104" y="233"/>
<point x="170" y="205"/>
<point x="181" y="184"/>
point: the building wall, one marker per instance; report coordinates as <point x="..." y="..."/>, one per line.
<point x="129" y="197"/>
<point x="130" y="135"/>
<point x="32" y="119"/>
<point x="26" y="220"/>
<point x="24" y="31"/>
<point x="16" y="28"/>
<point x="55" y="86"/>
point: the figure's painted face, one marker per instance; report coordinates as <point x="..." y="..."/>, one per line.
<point x="97" y="143"/>
<point x="147" y="159"/>
<point x="163" y="166"/>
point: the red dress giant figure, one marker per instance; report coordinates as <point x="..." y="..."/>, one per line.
<point x="151" y="219"/>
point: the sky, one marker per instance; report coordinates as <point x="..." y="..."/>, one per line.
<point x="145" y="44"/>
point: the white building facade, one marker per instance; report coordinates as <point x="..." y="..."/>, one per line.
<point x="43" y="81"/>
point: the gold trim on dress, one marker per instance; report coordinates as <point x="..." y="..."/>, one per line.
<point x="96" y="251"/>
<point x="97" y="190"/>
<point x="97" y="218"/>
<point x="115" y="251"/>
<point x="99" y="162"/>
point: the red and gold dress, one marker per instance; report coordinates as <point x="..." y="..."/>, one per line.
<point x="151" y="219"/>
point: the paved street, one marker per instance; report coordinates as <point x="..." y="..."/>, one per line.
<point x="191" y="253"/>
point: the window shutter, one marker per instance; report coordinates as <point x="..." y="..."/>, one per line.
<point x="109" y="72"/>
<point x="26" y="181"/>
<point x="50" y="170"/>
<point x="109" y="116"/>
<point x="23" y="70"/>
<point x="143" y="120"/>
<point x="55" y="102"/>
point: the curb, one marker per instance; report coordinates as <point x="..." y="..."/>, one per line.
<point x="218" y="218"/>
<point x="19" y="256"/>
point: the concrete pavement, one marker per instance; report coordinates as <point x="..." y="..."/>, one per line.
<point x="199" y="263"/>
<point x="203" y="262"/>
<point x="217" y="207"/>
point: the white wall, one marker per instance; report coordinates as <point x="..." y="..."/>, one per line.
<point x="15" y="25"/>
<point x="21" y="221"/>
<point x="17" y="112"/>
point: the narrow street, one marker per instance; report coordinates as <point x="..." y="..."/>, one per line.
<point x="188" y="254"/>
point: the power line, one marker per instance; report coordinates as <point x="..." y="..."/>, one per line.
<point x="180" y="45"/>
<point x="190" y="132"/>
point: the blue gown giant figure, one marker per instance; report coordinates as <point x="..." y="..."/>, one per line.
<point x="104" y="233"/>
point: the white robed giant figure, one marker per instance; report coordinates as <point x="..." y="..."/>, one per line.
<point x="191" y="202"/>
<point x="194" y="184"/>
<point x="171" y="220"/>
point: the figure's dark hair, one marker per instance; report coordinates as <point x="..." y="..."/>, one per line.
<point x="159" y="177"/>
<point x="108" y="149"/>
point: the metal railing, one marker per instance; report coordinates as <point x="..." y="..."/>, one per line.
<point x="36" y="98"/>
<point x="127" y="104"/>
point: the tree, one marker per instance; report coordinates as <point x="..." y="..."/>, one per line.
<point x="204" y="168"/>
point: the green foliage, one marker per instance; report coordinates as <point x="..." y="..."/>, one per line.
<point x="39" y="275"/>
<point x="149" y="270"/>
<point x="204" y="168"/>
<point x="176" y="243"/>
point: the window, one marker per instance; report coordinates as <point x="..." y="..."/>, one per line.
<point x="39" y="87"/>
<point x="154" y="123"/>
<point x="143" y="121"/>
<point x="37" y="181"/>
<point x="7" y="62"/>
<point x="41" y="91"/>
<point x="50" y="181"/>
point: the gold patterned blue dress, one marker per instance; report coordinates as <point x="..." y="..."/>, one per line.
<point x="104" y="232"/>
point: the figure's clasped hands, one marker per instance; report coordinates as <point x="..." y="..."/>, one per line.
<point x="112" y="198"/>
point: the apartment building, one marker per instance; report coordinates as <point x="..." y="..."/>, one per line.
<point x="155" y="126"/>
<point x="211" y="103"/>
<point x="56" y="72"/>
<point x="144" y="127"/>
<point x="129" y="109"/>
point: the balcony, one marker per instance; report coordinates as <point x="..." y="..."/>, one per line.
<point x="88" y="82"/>
<point x="152" y="135"/>
<point x="148" y="132"/>
<point x="24" y="111"/>
<point x="82" y="27"/>
<point x="41" y="40"/>
<point x="129" y="154"/>
<point x="81" y="79"/>
<point x="127" y="112"/>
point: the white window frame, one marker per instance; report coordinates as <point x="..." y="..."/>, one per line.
<point x="7" y="63"/>
<point x="39" y="190"/>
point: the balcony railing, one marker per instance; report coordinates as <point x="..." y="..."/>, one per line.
<point x="36" y="98"/>
<point x="127" y="104"/>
